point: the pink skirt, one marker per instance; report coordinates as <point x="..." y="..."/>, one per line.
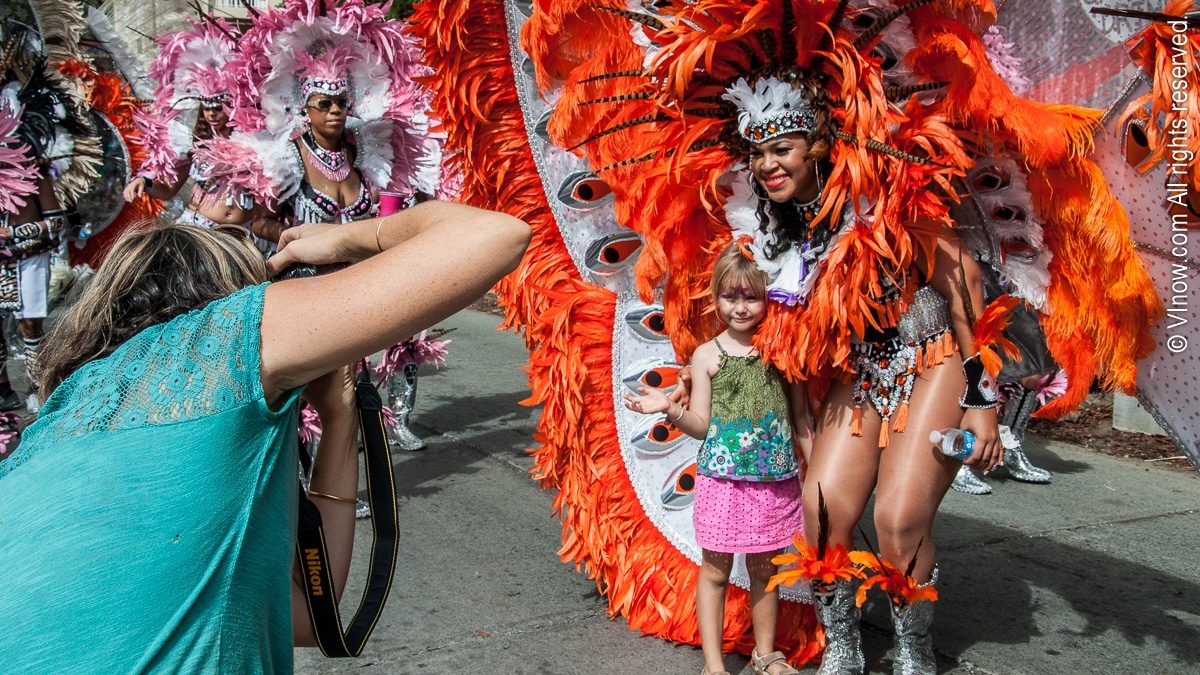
<point x="737" y="516"/>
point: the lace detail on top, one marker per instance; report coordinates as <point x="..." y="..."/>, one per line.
<point x="750" y="432"/>
<point x="199" y="364"/>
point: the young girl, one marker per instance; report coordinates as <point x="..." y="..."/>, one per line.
<point x="747" y="485"/>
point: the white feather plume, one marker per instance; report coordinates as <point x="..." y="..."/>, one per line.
<point x="1029" y="279"/>
<point x="769" y="98"/>
<point x="123" y="56"/>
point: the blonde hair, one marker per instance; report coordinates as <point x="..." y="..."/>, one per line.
<point x="734" y="270"/>
<point x="151" y="275"/>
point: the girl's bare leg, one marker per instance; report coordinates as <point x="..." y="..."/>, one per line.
<point x="710" y="606"/>
<point x="913" y="475"/>
<point x="764" y="606"/>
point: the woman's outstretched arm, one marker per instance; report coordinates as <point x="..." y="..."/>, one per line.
<point x="436" y="259"/>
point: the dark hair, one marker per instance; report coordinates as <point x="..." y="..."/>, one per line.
<point x="790" y="230"/>
<point x="151" y="275"/>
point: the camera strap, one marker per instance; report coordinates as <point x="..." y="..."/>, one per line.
<point x="314" y="559"/>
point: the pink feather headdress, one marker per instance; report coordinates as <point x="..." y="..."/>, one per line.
<point x="325" y="70"/>
<point x="193" y="71"/>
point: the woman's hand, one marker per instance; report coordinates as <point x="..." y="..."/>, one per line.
<point x="984" y="425"/>
<point x="135" y="188"/>
<point x="682" y="393"/>
<point x="311" y="243"/>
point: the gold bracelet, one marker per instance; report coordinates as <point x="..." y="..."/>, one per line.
<point x="314" y="493"/>
<point x="377" y="229"/>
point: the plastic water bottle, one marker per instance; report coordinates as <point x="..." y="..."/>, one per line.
<point x="954" y="443"/>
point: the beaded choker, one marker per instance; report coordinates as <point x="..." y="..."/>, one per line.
<point x="807" y="211"/>
<point x="333" y="164"/>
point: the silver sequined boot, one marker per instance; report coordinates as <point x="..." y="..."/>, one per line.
<point x="839" y="614"/>
<point x="913" y="654"/>
<point x="1016" y="417"/>
<point x="966" y="481"/>
<point x="402" y="395"/>
<point x="34" y="371"/>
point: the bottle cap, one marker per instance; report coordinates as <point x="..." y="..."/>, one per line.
<point x="935" y="436"/>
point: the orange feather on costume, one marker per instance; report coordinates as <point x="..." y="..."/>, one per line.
<point x="1154" y="50"/>
<point x="989" y="328"/>
<point x="568" y="326"/>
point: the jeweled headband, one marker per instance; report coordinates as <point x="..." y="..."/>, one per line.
<point x="216" y="101"/>
<point x="770" y="109"/>
<point x="320" y="85"/>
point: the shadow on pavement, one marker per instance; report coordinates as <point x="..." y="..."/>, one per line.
<point x="1016" y="589"/>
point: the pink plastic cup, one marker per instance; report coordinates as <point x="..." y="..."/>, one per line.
<point x="390" y="202"/>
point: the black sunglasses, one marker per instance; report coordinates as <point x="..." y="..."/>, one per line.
<point x="326" y="104"/>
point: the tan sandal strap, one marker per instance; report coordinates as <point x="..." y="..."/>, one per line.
<point x="766" y="661"/>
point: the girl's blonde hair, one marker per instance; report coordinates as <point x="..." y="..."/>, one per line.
<point x="151" y="275"/>
<point x="734" y="269"/>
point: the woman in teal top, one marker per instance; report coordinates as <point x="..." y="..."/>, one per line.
<point x="148" y="516"/>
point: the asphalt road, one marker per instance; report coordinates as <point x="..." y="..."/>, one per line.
<point x="1097" y="572"/>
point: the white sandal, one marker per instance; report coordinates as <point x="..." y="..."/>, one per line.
<point x="761" y="663"/>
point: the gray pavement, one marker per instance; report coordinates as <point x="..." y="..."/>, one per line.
<point x="1097" y="572"/>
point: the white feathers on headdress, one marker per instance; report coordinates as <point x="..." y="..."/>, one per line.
<point x="281" y="92"/>
<point x="198" y="71"/>
<point x="770" y="108"/>
<point x="123" y="56"/>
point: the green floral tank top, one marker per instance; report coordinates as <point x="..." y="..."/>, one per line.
<point x="750" y="430"/>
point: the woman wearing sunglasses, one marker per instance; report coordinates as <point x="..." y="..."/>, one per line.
<point x="332" y="188"/>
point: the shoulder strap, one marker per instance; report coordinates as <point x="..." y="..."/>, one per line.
<point x="310" y="542"/>
<point x="719" y="347"/>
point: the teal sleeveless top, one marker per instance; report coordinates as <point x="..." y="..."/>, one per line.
<point x="750" y="431"/>
<point x="148" y="517"/>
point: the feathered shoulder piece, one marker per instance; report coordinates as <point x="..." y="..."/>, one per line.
<point x="18" y="173"/>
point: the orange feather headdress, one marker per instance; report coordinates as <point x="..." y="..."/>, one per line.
<point x="723" y="74"/>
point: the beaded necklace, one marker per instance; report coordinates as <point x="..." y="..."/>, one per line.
<point x="333" y="164"/>
<point x="807" y="211"/>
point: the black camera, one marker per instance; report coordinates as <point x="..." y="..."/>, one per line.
<point x="304" y="271"/>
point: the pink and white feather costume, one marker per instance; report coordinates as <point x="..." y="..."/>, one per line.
<point x="328" y="40"/>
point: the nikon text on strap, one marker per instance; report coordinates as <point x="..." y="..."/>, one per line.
<point x="310" y="541"/>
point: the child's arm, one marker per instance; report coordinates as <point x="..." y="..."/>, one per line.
<point x="802" y="420"/>
<point x="691" y="420"/>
